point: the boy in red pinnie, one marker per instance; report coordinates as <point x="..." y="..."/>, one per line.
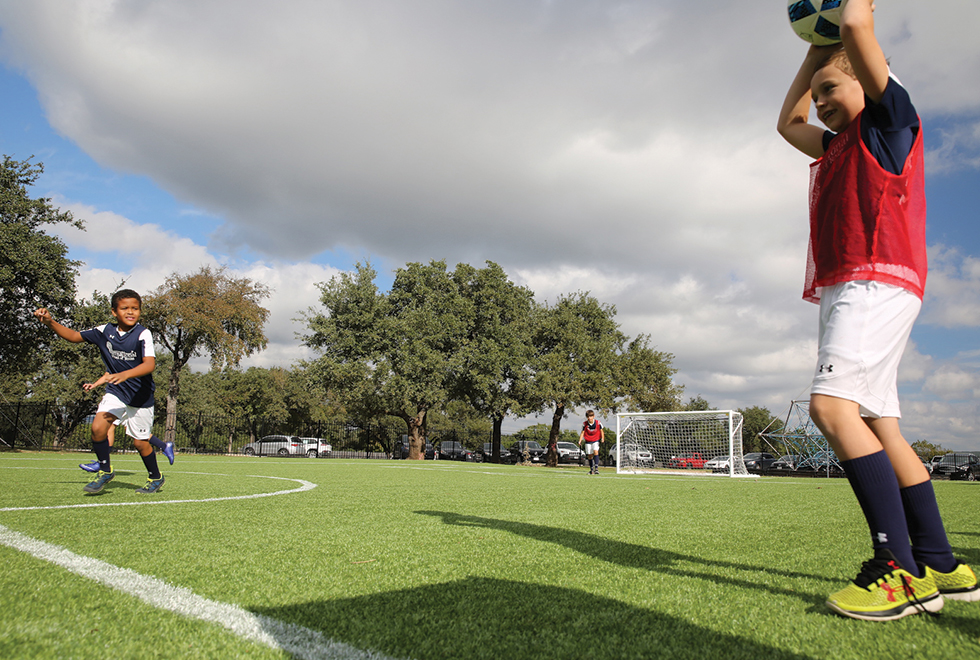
<point x="866" y="267"/>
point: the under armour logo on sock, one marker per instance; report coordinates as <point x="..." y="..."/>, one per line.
<point x="882" y="537"/>
<point x="826" y="367"/>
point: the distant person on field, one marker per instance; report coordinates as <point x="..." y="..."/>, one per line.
<point x="867" y="270"/>
<point x="126" y="348"/>
<point x="592" y="435"/>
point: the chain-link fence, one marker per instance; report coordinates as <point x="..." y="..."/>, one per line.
<point x="46" y="425"/>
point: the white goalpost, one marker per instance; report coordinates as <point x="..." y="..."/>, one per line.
<point x="697" y="442"/>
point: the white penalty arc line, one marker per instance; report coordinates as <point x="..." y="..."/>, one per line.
<point x="297" y="640"/>
<point x="304" y="486"/>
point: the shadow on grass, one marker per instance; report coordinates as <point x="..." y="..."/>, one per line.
<point x="491" y="618"/>
<point x="631" y="555"/>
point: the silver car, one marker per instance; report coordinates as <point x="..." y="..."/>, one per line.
<point x="317" y="447"/>
<point x="276" y="445"/>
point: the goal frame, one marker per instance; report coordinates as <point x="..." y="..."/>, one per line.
<point x="732" y="418"/>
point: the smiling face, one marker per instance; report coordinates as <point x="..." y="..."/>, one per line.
<point x="837" y="96"/>
<point x="127" y="313"/>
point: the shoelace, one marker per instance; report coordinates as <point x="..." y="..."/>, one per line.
<point x="916" y="603"/>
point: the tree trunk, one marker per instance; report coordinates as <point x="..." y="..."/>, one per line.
<point x="498" y="422"/>
<point x="416" y="435"/>
<point x="552" y="457"/>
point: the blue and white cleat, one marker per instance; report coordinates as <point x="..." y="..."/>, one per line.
<point x="90" y="467"/>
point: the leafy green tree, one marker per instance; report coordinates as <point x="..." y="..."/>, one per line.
<point x="755" y="420"/>
<point x="926" y="450"/>
<point x="644" y="378"/>
<point x="205" y="313"/>
<point x="497" y="349"/>
<point x="576" y="342"/>
<point x="697" y="403"/>
<point x="394" y="354"/>
<point x="35" y="270"/>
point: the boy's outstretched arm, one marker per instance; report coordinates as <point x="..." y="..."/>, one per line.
<point x="44" y="316"/>
<point x="794" y="116"/>
<point x="857" y="32"/>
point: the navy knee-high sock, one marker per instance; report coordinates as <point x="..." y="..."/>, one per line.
<point x="150" y="461"/>
<point x="157" y="442"/>
<point x="101" y="450"/>
<point x="929" y="542"/>
<point x="876" y="487"/>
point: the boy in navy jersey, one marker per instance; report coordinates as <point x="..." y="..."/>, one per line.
<point x="126" y="348"/>
<point x="866" y="267"/>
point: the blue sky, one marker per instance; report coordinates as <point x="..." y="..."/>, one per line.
<point x="627" y="149"/>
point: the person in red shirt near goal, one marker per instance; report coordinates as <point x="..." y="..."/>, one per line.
<point x="592" y="434"/>
<point x="866" y="267"/>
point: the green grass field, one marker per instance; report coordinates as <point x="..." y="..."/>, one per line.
<point x="444" y="560"/>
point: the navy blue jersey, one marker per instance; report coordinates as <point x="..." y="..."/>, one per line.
<point x="888" y="128"/>
<point x="122" y="352"/>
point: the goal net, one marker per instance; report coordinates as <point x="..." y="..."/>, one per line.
<point x="701" y="441"/>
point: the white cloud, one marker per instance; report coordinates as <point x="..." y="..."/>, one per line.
<point x="623" y="148"/>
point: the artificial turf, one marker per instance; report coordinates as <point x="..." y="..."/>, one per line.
<point x="458" y="560"/>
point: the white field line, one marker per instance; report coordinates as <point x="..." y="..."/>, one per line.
<point x="303" y="486"/>
<point x="297" y="640"/>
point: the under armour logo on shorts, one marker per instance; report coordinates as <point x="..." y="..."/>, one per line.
<point x="826" y="367"/>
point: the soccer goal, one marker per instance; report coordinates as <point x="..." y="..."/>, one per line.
<point x="700" y="442"/>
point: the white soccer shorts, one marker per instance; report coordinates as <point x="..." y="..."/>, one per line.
<point x="864" y="327"/>
<point x="138" y="422"/>
<point x="591" y="448"/>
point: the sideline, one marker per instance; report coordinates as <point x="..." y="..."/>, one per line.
<point x="297" y="640"/>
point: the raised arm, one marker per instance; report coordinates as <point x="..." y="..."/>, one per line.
<point x="857" y="32"/>
<point x="44" y="316"/>
<point x="794" y="116"/>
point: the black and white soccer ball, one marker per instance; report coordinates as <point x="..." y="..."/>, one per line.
<point x="816" y="21"/>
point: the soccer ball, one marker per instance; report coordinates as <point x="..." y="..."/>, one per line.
<point x="816" y="21"/>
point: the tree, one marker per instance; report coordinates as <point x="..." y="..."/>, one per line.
<point x="644" y="378"/>
<point x="34" y="268"/>
<point x="755" y="420"/>
<point x="497" y="347"/>
<point x="205" y="313"/>
<point x="394" y="354"/>
<point x="576" y="343"/>
<point x="926" y="450"/>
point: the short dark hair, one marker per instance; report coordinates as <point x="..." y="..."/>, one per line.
<point x="590" y="412"/>
<point x="122" y="294"/>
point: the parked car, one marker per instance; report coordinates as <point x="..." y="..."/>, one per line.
<point x="451" y="450"/>
<point x="485" y="453"/>
<point x="820" y="462"/>
<point x="528" y="450"/>
<point x="687" y="461"/>
<point x="401" y="449"/>
<point x="785" y="462"/>
<point x="634" y="454"/>
<point x="275" y="445"/>
<point x="719" y="464"/>
<point x="317" y="447"/>
<point x="569" y="452"/>
<point x="959" y="466"/>
<point x="758" y="461"/>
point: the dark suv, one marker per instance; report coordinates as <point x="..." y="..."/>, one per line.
<point x="485" y="454"/>
<point x="958" y="466"/>
<point x="528" y="450"/>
